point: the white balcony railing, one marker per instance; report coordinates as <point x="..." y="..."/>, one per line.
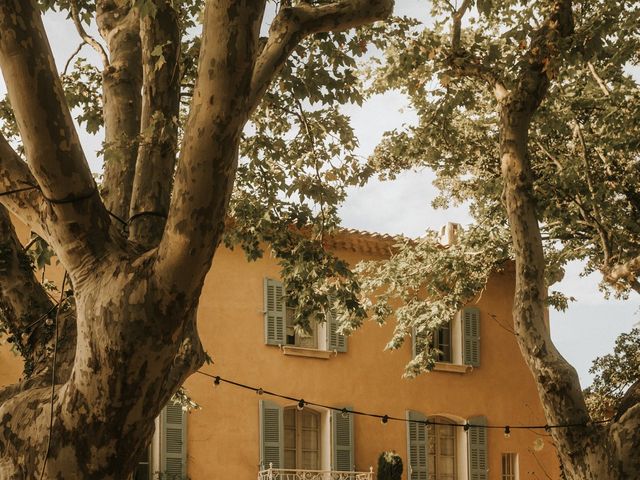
<point x="281" y="474"/>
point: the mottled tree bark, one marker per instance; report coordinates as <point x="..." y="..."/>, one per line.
<point x="128" y="338"/>
<point x="587" y="451"/>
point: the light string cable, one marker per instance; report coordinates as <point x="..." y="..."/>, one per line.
<point x="217" y="380"/>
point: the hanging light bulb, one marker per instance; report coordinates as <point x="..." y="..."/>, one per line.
<point x="465" y="427"/>
<point x="216" y="381"/>
<point x="385" y="419"/>
<point x="507" y="432"/>
<point x="260" y="391"/>
<point x="300" y="404"/>
<point x="345" y="413"/>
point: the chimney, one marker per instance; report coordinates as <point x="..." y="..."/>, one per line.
<point x="448" y="234"/>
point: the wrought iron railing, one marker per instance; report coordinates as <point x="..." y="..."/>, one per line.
<point x="282" y="474"/>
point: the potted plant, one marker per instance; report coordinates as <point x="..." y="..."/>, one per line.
<point x="389" y="466"/>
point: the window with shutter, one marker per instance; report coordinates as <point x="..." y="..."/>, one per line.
<point x="417" y="446"/>
<point x="271" y="435"/>
<point x="279" y="328"/>
<point x="335" y="341"/>
<point x="173" y="442"/>
<point x="342" y="458"/>
<point x="471" y="336"/>
<point x="477" y="448"/>
<point x="274" y="312"/>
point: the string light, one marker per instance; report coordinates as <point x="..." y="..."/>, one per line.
<point x="386" y="418"/>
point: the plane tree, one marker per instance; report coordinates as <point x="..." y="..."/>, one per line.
<point x="173" y="92"/>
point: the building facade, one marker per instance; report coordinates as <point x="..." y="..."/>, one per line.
<point x="481" y="379"/>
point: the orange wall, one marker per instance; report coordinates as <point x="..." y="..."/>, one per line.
<point x="223" y="437"/>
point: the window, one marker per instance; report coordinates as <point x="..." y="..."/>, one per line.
<point x="166" y="455"/>
<point x="307" y="439"/>
<point x="509" y="466"/>
<point x="457" y="342"/>
<point x="440" y="451"/>
<point x="301" y="439"/>
<point x="279" y="327"/>
<point x="299" y="338"/>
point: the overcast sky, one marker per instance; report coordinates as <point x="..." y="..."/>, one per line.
<point x="590" y="326"/>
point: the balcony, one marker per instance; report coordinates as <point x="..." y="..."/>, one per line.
<point x="281" y="474"/>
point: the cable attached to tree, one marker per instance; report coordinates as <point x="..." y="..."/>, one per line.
<point x="53" y="375"/>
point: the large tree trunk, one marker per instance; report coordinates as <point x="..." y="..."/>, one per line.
<point x="587" y="451"/>
<point x="127" y="339"/>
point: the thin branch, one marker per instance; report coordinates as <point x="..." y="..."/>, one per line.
<point x="457" y="25"/>
<point x="88" y="39"/>
<point x="603" y="86"/>
<point x="72" y="56"/>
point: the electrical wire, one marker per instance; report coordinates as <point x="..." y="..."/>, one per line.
<point x="217" y="380"/>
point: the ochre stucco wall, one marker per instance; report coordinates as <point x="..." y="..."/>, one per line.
<point x="223" y="437"/>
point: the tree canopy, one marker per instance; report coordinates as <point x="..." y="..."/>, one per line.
<point x="223" y="121"/>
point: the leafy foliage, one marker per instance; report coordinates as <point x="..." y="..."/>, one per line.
<point x="614" y="374"/>
<point x="584" y="150"/>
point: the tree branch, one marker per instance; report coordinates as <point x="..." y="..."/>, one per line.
<point x="457" y="25"/>
<point x="160" y="109"/>
<point x="23" y="301"/>
<point x="86" y="38"/>
<point x="209" y="154"/>
<point x="292" y="24"/>
<point x="75" y="216"/>
<point x="603" y="86"/>
<point x="463" y="64"/>
<point x="122" y="83"/>
<point x="623" y="272"/>
<point x="15" y="175"/>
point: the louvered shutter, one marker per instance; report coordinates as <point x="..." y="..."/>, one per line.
<point x="471" y="336"/>
<point x="417" y="446"/>
<point x="274" y="312"/>
<point x="335" y="341"/>
<point x="477" y="440"/>
<point x="417" y="341"/>
<point x="173" y="446"/>
<point x="342" y="446"/>
<point x="271" y="435"/>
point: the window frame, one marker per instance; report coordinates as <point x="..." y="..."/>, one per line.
<point x="298" y="437"/>
<point x="509" y="466"/>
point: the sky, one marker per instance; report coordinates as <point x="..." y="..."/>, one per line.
<point x="586" y="330"/>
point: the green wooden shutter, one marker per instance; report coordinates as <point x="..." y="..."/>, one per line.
<point x="418" y="340"/>
<point x="274" y="312"/>
<point x="342" y="446"/>
<point x="173" y="442"/>
<point x="271" y="435"/>
<point x="471" y="336"/>
<point x="335" y="341"/>
<point x="477" y="447"/>
<point x="417" y="446"/>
